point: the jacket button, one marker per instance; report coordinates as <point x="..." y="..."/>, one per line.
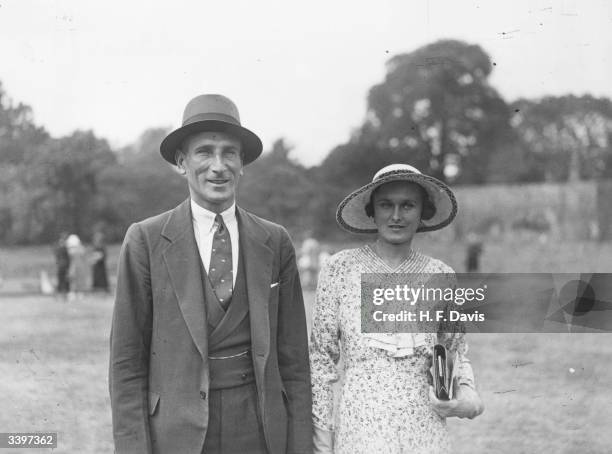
<point x="244" y="376"/>
<point x="203" y="395"/>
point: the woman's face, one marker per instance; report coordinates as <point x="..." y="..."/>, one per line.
<point x="397" y="211"/>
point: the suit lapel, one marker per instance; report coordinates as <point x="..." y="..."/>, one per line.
<point x="182" y="260"/>
<point x="258" y="259"/>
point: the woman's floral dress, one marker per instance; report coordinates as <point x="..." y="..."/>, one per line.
<point x="384" y="403"/>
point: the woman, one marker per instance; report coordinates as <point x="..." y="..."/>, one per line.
<point x="78" y="270"/>
<point x="387" y="404"/>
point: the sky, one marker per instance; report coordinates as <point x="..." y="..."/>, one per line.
<point x="298" y="70"/>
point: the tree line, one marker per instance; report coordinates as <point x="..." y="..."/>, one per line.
<point x="435" y="109"/>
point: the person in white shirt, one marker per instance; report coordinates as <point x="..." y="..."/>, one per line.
<point x="209" y="349"/>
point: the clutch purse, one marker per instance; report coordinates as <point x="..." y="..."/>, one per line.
<point x="444" y="374"/>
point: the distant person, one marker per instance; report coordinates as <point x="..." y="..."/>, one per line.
<point x="324" y="256"/>
<point x="473" y="252"/>
<point x="62" y="264"/>
<point x="78" y="272"/>
<point x="388" y="404"/>
<point x="46" y="286"/>
<point x="309" y="262"/>
<point x="98" y="268"/>
<point x="209" y="345"/>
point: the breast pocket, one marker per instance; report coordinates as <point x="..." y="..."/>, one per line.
<point x="275" y="286"/>
<point x="273" y="302"/>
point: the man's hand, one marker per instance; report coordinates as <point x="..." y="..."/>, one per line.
<point x="466" y="404"/>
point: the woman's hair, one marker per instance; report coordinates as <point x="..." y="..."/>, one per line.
<point x="428" y="211"/>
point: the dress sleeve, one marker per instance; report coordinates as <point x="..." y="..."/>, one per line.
<point x="452" y="335"/>
<point x="325" y="347"/>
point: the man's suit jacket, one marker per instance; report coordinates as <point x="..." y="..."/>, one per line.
<point x="159" y="375"/>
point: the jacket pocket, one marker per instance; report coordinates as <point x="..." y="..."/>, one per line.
<point x="153" y="402"/>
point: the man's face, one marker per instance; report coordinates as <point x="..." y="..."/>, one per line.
<point x="212" y="162"/>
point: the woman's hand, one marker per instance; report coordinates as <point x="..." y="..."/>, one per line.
<point x="466" y="404"/>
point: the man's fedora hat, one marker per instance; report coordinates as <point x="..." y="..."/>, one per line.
<point x="215" y="113"/>
<point x="351" y="214"/>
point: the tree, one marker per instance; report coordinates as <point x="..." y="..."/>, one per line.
<point x="140" y="184"/>
<point x="61" y="178"/>
<point x="18" y="133"/>
<point x="569" y="137"/>
<point x="277" y="188"/>
<point x="436" y="106"/>
<point x="434" y="109"/>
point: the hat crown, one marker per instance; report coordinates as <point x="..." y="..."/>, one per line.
<point x="395" y="168"/>
<point x="73" y="241"/>
<point x="210" y="106"/>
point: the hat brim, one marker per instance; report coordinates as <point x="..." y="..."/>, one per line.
<point x="251" y="144"/>
<point x="352" y="217"/>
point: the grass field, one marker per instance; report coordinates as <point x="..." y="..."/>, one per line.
<point x="54" y="357"/>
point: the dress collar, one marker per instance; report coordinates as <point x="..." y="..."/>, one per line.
<point x="409" y="264"/>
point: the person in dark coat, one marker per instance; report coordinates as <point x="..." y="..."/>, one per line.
<point x="62" y="264"/>
<point x="473" y="253"/>
<point x="99" y="281"/>
<point x="209" y="348"/>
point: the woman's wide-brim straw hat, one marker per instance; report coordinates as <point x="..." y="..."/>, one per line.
<point x="213" y="113"/>
<point x="351" y="214"/>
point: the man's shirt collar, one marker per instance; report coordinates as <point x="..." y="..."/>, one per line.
<point x="206" y="218"/>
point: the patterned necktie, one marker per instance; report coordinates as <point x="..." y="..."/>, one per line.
<point x="220" y="269"/>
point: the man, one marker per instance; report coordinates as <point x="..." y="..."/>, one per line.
<point x="62" y="262"/>
<point x="209" y="348"/>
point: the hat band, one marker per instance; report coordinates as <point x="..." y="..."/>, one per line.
<point x="211" y="116"/>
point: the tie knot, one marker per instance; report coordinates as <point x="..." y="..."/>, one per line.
<point x="219" y="223"/>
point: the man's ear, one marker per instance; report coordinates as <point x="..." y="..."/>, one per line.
<point x="178" y="158"/>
